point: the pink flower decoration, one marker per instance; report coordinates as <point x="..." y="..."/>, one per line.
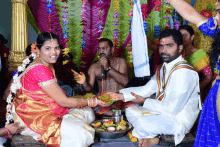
<point x="157" y="9"/>
<point x="115" y="21"/>
<point x="65" y="41"/>
<point x="83" y="6"/>
<point x="115" y="15"/>
<point x="116" y="30"/>
<point x="166" y="17"/>
<point x="100" y="2"/>
<point x="65" y="20"/>
<point x="65" y="15"/>
<point x="64" y="11"/>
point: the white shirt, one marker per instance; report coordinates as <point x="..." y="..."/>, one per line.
<point x="181" y="100"/>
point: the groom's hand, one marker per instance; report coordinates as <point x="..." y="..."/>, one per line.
<point x="139" y="99"/>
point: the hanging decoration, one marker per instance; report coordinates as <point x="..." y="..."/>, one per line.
<point x="116" y="25"/>
<point x="49" y="16"/>
<point x="93" y="24"/>
<point x="129" y="45"/>
<point x="83" y="20"/>
<point x="83" y="23"/>
<point x="144" y="9"/>
<point x="177" y="20"/>
<point x="100" y="13"/>
<point x="167" y="12"/>
<point x="95" y="13"/>
<point x="65" y="20"/>
<point x="157" y="26"/>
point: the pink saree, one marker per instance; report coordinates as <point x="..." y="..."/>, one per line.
<point x="38" y="111"/>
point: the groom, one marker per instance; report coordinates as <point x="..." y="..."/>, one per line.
<point x="176" y="106"/>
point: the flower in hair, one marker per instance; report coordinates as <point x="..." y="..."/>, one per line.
<point x="33" y="47"/>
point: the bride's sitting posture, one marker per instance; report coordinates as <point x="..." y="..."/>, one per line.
<point x="39" y="104"/>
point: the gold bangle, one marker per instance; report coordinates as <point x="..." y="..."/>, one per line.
<point x="88" y="102"/>
<point x="96" y="102"/>
<point x="92" y="103"/>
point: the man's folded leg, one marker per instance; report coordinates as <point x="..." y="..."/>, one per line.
<point x="149" y="126"/>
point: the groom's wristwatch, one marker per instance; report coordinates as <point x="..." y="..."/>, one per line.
<point x="160" y="139"/>
<point x="108" y="69"/>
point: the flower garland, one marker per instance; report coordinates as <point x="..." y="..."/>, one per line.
<point x="100" y="22"/>
<point x="17" y="85"/>
<point x="129" y="45"/>
<point x="144" y="9"/>
<point x="157" y="20"/>
<point x="167" y="11"/>
<point x="83" y="18"/>
<point x="116" y="25"/>
<point x="49" y="11"/>
<point x="65" y="31"/>
<point x="83" y="22"/>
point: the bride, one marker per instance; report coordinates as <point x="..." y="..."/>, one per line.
<point x="41" y="105"/>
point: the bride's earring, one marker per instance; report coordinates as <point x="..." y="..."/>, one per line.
<point x="38" y="54"/>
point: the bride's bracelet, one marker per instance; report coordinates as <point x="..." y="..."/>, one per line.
<point x="91" y="102"/>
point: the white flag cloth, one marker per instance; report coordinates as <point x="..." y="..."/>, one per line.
<point x="139" y="43"/>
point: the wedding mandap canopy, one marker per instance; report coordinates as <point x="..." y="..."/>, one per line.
<point x="80" y="23"/>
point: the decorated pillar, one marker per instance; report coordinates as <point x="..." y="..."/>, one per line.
<point x="19" y="35"/>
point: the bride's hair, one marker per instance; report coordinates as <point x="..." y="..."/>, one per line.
<point x="41" y="38"/>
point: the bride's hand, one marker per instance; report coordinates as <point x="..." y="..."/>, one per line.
<point x="93" y="102"/>
<point x="101" y="103"/>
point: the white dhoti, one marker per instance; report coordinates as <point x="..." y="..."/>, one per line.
<point x="149" y="125"/>
<point x="2" y="141"/>
<point x="75" y="129"/>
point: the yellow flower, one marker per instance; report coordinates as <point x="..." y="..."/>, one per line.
<point x="65" y="52"/>
<point x="65" y="62"/>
